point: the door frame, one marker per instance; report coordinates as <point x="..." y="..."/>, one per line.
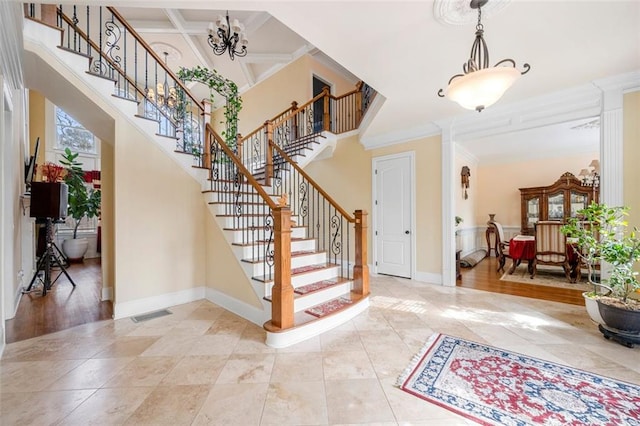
<point x="412" y="209"/>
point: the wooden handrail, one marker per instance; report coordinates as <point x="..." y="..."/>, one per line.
<point x="155" y="56"/>
<point x="250" y="179"/>
<point x="95" y="47"/>
<point x="313" y="183"/>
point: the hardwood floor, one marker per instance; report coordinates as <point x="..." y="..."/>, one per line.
<point x="484" y="277"/>
<point x="63" y="306"/>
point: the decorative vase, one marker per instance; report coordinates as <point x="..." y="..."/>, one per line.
<point x="592" y="308"/>
<point x="75" y="249"/>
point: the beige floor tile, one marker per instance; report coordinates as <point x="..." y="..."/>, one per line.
<point x="108" y="407"/>
<point x="381" y="341"/>
<point x="357" y="401"/>
<point x="206" y="311"/>
<point x="295" y="403"/>
<point x="391" y="364"/>
<point x="170" y="405"/>
<point x="214" y="344"/>
<point x="127" y="346"/>
<point x="252" y="342"/>
<point x="143" y="371"/>
<point x="341" y="341"/>
<point x="192" y="327"/>
<point x="33" y="376"/>
<point x="347" y="365"/>
<point x="309" y="345"/>
<point x="171" y="345"/>
<point x="301" y="367"/>
<point x="238" y="404"/>
<point x="92" y="374"/>
<point x="247" y="368"/>
<point x="39" y="408"/>
<point x="196" y="370"/>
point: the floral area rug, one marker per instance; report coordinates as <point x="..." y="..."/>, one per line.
<point x="496" y="387"/>
<point x="545" y="275"/>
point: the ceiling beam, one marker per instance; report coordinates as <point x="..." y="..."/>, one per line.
<point x="179" y="23"/>
<point x="248" y="73"/>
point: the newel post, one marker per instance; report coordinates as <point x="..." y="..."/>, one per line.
<point x="327" y="117"/>
<point x="358" y="102"/>
<point x="361" y="268"/>
<point x="268" y="153"/>
<point x="282" y="291"/>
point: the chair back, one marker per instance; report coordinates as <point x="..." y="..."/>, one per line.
<point x="550" y="242"/>
<point x="499" y="231"/>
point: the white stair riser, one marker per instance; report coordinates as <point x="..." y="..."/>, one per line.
<point x="223" y="186"/>
<point x="308" y="259"/>
<point x="249" y="220"/>
<point x="258" y="269"/>
<point x="245" y="237"/>
<point x="245" y="252"/>
<point x="314" y="276"/>
<point x="303" y="302"/>
<point x="230" y="208"/>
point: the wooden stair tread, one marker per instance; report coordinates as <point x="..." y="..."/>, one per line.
<point x="262" y="242"/>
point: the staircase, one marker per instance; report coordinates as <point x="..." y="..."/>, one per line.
<point x="293" y="242"/>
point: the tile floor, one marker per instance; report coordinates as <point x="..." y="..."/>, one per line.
<point x="203" y="365"/>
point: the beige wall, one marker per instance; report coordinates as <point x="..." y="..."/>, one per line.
<point x="107" y="211"/>
<point x="347" y="178"/>
<point x="37" y="128"/>
<point x="275" y="94"/>
<point x="498" y="184"/>
<point x="159" y="220"/>
<point x="631" y="156"/>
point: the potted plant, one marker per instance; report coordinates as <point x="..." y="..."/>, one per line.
<point x="600" y="237"/>
<point x="82" y="202"/>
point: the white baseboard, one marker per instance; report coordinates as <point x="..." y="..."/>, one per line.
<point x="107" y="293"/>
<point x="428" y="277"/>
<point x="154" y="303"/>
<point x="246" y="311"/>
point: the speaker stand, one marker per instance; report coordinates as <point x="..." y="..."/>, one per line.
<point x="49" y="258"/>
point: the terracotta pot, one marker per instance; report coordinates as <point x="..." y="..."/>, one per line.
<point x="75" y="249"/>
<point x="619" y="318"/>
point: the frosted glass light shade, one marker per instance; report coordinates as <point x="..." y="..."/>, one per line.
<point x="480" y="89"/>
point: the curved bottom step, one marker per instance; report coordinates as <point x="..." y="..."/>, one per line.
<point x="314" y="326"/>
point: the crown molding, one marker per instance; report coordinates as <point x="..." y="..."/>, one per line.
<point x="400" y="136"/>
<point x="565" y="105"/>
<point x="464" y="154"/>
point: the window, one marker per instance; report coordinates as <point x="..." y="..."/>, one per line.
<point x="70" y="134"/>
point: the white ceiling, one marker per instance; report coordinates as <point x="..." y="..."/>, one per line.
<point x="404" y="52"/>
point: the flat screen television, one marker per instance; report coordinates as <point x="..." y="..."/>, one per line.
<point x="30" y="168"/>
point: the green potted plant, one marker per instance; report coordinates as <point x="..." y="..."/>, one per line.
<point x="600" y="237"/>
<point x="82" y="202"/>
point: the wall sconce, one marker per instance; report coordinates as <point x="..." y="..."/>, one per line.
<point x="465" y="174"/>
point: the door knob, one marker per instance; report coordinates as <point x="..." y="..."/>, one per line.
<point x="406" y="232"/>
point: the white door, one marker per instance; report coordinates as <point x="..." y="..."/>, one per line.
<point x="393" y="206"/>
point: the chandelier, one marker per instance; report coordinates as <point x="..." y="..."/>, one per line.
<point x="165" y="96"/>
<point x="591" y="175"/>
<point x="228" y="37"/>
<point x="481" y="86"/>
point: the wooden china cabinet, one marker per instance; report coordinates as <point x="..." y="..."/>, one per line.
<point x="558" y="202"/>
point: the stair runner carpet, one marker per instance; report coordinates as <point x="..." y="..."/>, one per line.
<point x="315" y="286"/>
<point x="328" y="307"/>
<point x="307" y="268"/>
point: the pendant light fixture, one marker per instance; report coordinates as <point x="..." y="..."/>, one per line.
<point x="481" y="86"/>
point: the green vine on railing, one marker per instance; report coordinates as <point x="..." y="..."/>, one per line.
<point x="224" y="87"/>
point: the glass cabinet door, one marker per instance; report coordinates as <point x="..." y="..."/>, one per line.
<point x="555" y="208"/>
<point x="533" y="211"/>
<point x="578" y="202"/>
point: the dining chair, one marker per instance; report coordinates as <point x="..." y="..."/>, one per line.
<point x="502" y="245"/>
<point x="551" y="247"/>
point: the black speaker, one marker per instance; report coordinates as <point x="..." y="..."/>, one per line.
<point x="49" y="199"/>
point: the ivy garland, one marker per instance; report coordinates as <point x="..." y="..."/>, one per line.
<point x="226" y="88"/>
